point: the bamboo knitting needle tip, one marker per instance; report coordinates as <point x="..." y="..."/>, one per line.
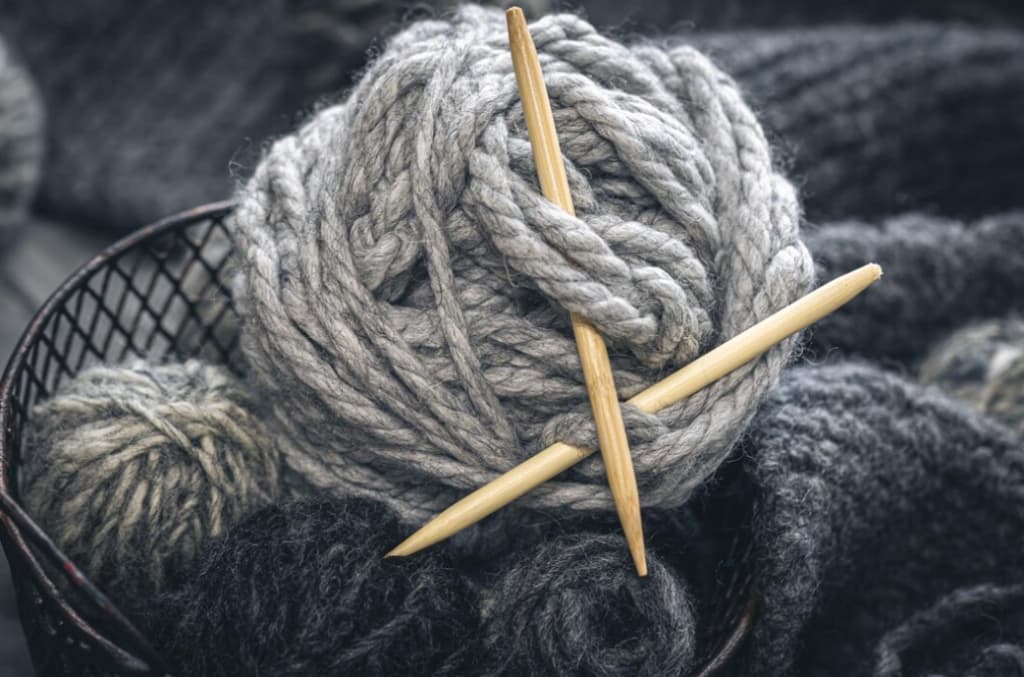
<point x="700" y="373"/>
<point x="597" y="369"/>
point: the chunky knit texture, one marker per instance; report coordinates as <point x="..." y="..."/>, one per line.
<point x="939" y="274"/>
<point x="574" y="606"/>
<point x="132" y="469"/>
<point x="669" y="17"/>
<point x="877" y="499"/>
<point x="159" y="97"/>
<point x="983" y="364"/>
<point x="303" y="590"/>
<point x="188" y="102"/>
<point x="21" y="144"/>
<point x="948" y="622"/>
<point x="407" y="286"/>
<point x="879" y="120"/>
<point x="155" y="106"/>
<point x="842" y="463"/>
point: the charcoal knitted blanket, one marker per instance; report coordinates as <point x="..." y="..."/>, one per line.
<point x="887" y="532"/>
<point x="155" y="107"/>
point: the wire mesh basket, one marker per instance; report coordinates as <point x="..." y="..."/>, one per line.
<point x="162" y="293"/>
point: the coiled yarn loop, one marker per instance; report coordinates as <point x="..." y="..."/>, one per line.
<point x="406" y="284"/>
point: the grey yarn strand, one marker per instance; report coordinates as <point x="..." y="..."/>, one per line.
<point x="405" y="287"/>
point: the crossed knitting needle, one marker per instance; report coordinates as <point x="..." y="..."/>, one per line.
<point x="688" y="380"/>
<point x="597" y="369"/>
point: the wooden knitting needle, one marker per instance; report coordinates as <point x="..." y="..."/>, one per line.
<point x="597" y="369"/>
<point x="700" y="373"/>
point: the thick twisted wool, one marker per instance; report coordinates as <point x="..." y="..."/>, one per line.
<point x="21" y="143"/>
<point x="887" y="530"/>
<point x="302" y="589"/>
<point x="406" y="286"/>
<point x="573" y="606"/>
<point x="983" y="364"/>
<point x="885" y="119"/>
<point x="131" y="469"/>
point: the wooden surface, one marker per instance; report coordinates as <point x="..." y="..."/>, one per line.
<point x="597" y="369"/>
<point x="683" y="383"/>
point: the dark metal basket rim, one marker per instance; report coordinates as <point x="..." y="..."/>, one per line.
<point x="13" y="520"/>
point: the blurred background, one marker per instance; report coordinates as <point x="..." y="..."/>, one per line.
<point x="114" y="113"/>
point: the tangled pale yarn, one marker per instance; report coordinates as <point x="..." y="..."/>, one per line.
<point x="133" y="469"/>
<point x="406" y="288"/>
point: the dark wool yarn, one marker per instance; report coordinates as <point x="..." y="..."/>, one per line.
<point x="885" y="119"/>
<point x="150" y="102"/>
<point x="677" y="538"/>
<point x="939" y="274"/>
<point x="304" y="589"/>
<point x="983" y="365"/>
<point x="21" y="144"/>
<point x="574" y="606"/>
<point x="661" y="16"/>
<point x="154" y="105"/>
<point x="961" y="614"/>
<point x="904" y="116"/>
<point x="133" y="469"/>
<point x="881" y="507"/>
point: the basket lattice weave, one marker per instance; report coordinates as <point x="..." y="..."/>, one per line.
<point x="161" y="293"/>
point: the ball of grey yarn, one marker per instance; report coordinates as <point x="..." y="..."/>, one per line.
<point x="406" y="288"/>
<point x="132" y="469"/>
<point x="983" y="365"/>
<point x="573" y="606"/>
<point x="21" y="143"/>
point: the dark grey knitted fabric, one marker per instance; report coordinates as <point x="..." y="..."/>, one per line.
<point x="545" y="598"/>
<point x="155" y="106"/>
<point x="883" y="119"/>
<point x="939" y="274"/>
<point x="165" y="101"/>
<point x="668" y="16"/>
<point x="301" y="590"/>
<point x="151" y="102"/>
<point x="887" y="519"/>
